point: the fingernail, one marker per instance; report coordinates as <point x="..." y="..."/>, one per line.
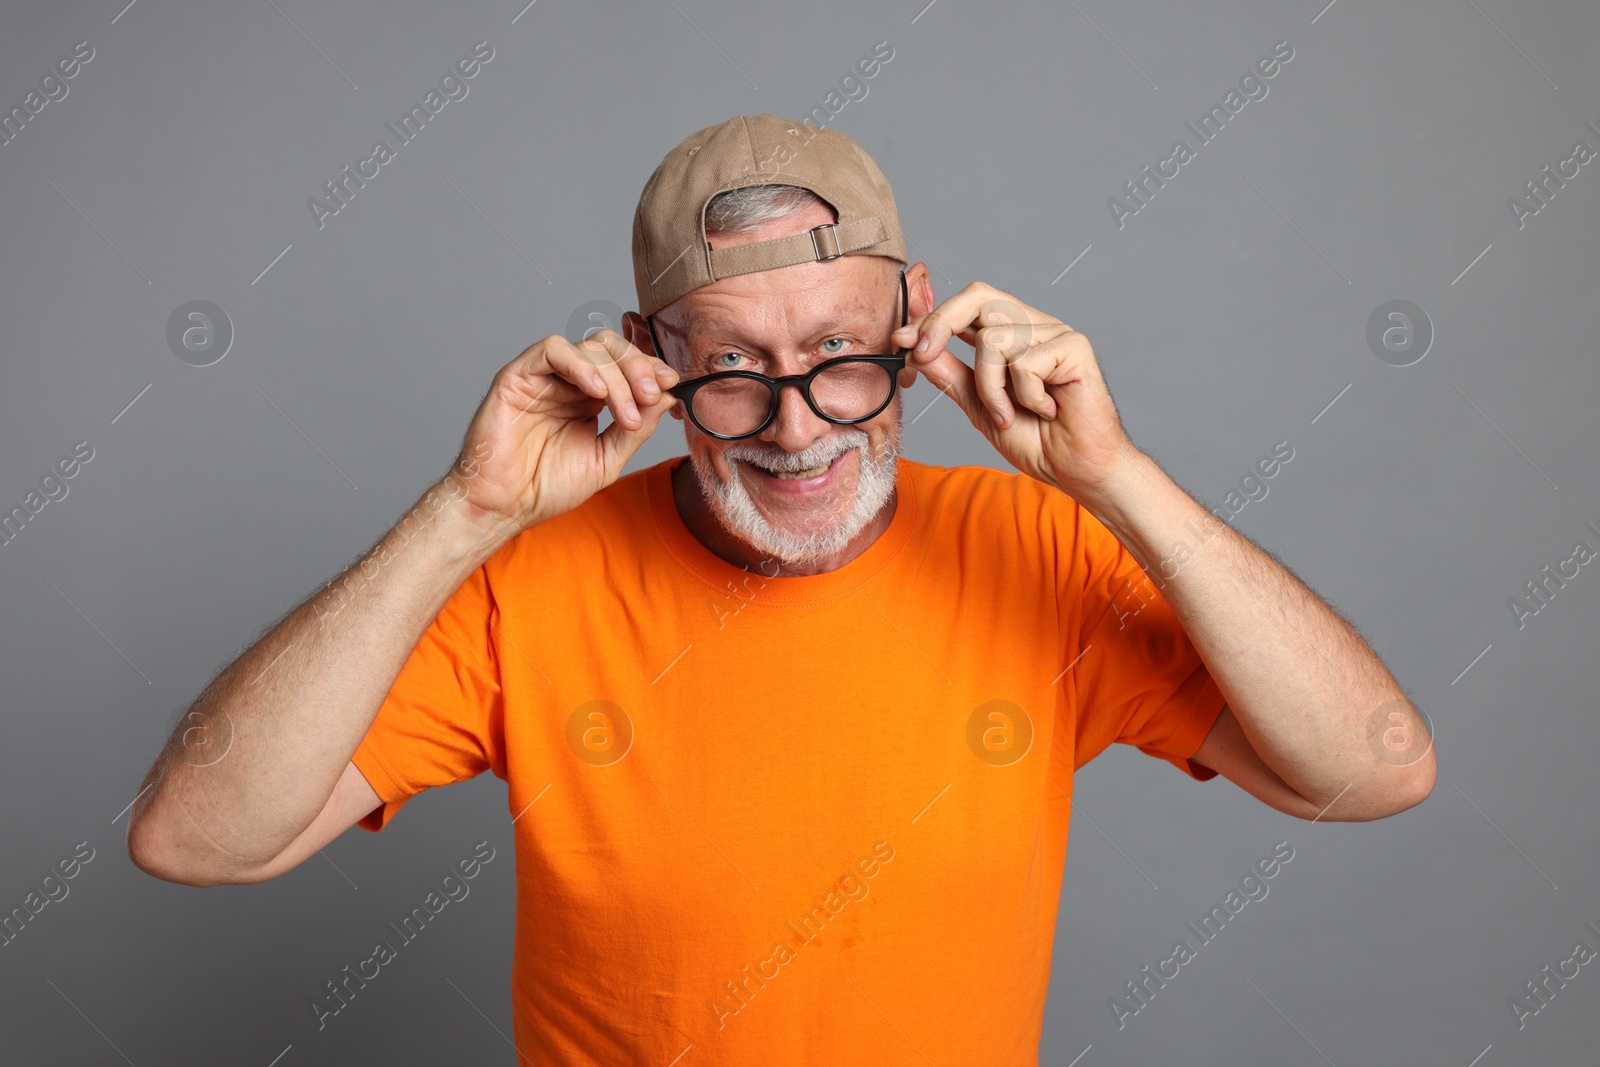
<point x="922" y="344"/>
<point x="650" y="389"/>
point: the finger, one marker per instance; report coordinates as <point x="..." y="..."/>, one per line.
<point x="1031" y="373"/>
<point x="647" y="376"/>
<point x="1074" y="382"/>
<point x="1074" y="388"/>
<point x="1028" y="383"/>
<point x="618" y="443"/>
<point x="906" y="336"/>
<point x="979" y="304"/>
<point x="528" y="384"/>
<point x="590" y="366"/>
<point x="666" y="377"/>
<point x="609" y="346"/>
<point x="989" y="369"/>
<point x="954" y="379"/>
<point x="920" y="327"/>
<point x="547" y="368"/>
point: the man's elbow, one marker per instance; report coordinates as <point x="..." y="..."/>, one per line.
<point x="1389" y="791"/>
<point x="1418" y="785"/>
<point x="160" y="858"/>
<point x="156" y="854"/>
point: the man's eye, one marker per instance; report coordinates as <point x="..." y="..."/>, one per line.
<point x="726" y="361"/>
<point x="840" y="341"/>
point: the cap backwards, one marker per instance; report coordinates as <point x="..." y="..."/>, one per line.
<point x="670" y="252"/>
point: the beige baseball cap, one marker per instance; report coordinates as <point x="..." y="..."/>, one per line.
<point x="671" y="254"/>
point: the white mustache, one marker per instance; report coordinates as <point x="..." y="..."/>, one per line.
<point x="816" y="455"/>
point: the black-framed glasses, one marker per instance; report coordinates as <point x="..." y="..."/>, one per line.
<point x="733" y="404"/>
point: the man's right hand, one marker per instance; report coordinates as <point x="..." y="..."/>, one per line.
<point x="534" y="449"/>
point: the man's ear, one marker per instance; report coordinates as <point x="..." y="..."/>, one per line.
<point x="919" y="301"/>
<point x="637" y="333"/>
<point x="919" y="290"/>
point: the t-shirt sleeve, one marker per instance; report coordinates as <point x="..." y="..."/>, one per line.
<point x="442" y="720"/>
<point x="1138" y="678"/>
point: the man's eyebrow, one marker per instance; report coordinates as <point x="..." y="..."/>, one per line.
<point x="732" y="332"/>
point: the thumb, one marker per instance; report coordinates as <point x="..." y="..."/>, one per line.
<point x="618" y="443"/>
<point x="955" y="379"/>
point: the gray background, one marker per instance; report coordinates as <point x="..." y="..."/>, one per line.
<point x="1227" y="315"/>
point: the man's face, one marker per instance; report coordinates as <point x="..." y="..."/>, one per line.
<point x="803" y="488"/>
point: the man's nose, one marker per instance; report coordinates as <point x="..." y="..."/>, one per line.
<point x="796" y="426"/>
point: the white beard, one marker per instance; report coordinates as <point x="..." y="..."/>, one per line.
<point x="732" y="505"/>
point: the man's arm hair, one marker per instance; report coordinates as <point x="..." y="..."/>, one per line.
<point x="258" y="775"/>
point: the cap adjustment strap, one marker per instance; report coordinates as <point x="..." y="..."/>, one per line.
<point x="825" y="242"/>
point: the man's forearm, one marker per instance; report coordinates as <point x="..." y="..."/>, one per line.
<point x="1302" y="683"/>
<point x="258" y="754"/>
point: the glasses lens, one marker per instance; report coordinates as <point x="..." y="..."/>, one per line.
<point x="850" y="391"/>
<point x="732" y="406"/>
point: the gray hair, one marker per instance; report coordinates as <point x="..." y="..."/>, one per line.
<point x="742" y="210"/>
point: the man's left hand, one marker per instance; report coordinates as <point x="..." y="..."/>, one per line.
<point x="1034" y="391"/>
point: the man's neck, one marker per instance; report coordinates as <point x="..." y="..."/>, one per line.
<point x="709" y="531"/>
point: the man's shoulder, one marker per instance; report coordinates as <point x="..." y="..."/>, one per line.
<point x="614" y="521"/>
<point x="984" y="513"/>
<point x="1001" y="528"/>
<point x="981" y="487"/>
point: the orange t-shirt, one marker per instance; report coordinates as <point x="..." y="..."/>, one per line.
<point x="792" y="820"/>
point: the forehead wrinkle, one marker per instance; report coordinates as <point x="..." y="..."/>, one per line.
<point x="858" y="301"/>
<point x="853" y="312"/>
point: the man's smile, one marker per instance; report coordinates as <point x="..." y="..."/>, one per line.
<point x="789" y="481"/>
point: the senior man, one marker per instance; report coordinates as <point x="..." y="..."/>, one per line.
<point x="788" y="728"/>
